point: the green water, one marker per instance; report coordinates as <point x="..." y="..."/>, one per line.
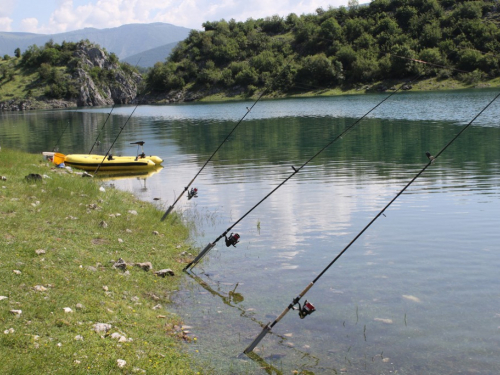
<point x="417" y="293"/>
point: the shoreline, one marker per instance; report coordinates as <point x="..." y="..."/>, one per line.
<point x="82" y="288"/>
<point x="215" y="96"/>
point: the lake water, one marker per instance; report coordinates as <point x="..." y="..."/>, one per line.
<point x="418" y="292"/>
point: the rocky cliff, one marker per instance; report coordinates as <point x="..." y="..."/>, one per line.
<point x="89" y="76"/>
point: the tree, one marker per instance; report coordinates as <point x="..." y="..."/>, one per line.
<point x="17" y="52"/>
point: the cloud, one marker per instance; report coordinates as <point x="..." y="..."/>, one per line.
<point x="5" y="24"/>
<point x="29" y="25"/>
<point x="188" y="13"/>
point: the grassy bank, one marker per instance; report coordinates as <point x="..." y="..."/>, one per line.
<point x="60" y="239"/>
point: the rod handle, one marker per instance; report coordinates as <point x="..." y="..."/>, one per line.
<point x="199" y="256"/>
<point x="167" y="212"/>
<point x="255" y="342"/>
<point x="306" y="289"/>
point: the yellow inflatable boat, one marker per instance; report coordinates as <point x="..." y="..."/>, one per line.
<point x="109" y="163"/>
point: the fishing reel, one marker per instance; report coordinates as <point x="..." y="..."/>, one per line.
<point x="305" y="310"/>
<point x="193" y="193"/>
<point x="233" y="239"/>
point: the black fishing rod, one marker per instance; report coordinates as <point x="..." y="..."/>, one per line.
<point x="307" y="308"/>
<point x="193" y="193"/>
<point x="121" y="129"/>
<point x="60" y="137"/>
<point x="100" y="131"/>
<point x="109" y="114"/>
<point x="233" y="239"/>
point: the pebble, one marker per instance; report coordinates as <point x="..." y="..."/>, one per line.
<point x="7" y="331"/>
<point x="79" y="338"/>
<point x="121" y="363"/>
<point x="165" y="272"/>
<point x="157" y="307"/>
<point x="68" y="310"/>
<point x="17" y="272"/>
<point x="79" y="306"/>
<point x="16" y="312"/>
<point x="40" y="252"/>
<point x="103" y="224"/>
<point x="120" y="240"/>
<point x="39" y="288"/>
<point x="102" y="327"/>
<point x="102" y="189"/>
<point x="156" y="233"/>
<point x="132" y="212"/>
<point x="3" y="297"/>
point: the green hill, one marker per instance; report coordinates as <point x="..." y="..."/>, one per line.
<point x="345" y="48"/>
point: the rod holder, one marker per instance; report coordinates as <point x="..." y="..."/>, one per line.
<point x="167" y="212"/>
<point x="255" y="342"/>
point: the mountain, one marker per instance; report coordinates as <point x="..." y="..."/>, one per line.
<point x="125" y="41"/>
<point x="149" y="58"/>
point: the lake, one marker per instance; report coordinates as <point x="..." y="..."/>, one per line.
<point x="417" y="293"/>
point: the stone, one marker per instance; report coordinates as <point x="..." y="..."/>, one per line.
<point x="146" y="266"/>
<point x="40" y="252"/>
<point x="121" y="363"/>
<point x="165" y="272"/>
<point x="132" y="212"/>
<point x="67" y="310"/>
<point x="156" y="233"/>
<point x="16" y="312"/>
<point x="17" y="272"/>
<point x="39" y="288"/>
<point x="102" y="327"/>
<point x="120" y="263"/>
<point x="103" y="224"/>
<point x="79" y="338"/>
<point x="3" y="297"/>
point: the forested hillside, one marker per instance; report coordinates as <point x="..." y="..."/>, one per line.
<point x="344" y="47"/>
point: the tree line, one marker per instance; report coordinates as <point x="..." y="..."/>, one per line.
<point x="338" y="47"/>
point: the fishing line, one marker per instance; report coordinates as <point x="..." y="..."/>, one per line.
<point x="233" y="239"/>
<point x="307" y="308"/>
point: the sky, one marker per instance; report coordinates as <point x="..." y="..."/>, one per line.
<point x="57" y="16"/>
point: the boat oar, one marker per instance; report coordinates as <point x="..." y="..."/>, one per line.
<point x="307" y="309"/>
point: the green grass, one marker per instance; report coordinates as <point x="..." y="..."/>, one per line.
<point x="55" y="215"/>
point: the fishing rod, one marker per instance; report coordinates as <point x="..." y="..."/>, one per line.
<point x="193" y="192"/>
<point x="121" y="129"/>
<point x="109" y="114"/>
<point x="99" y="133"/>
<point x="233" y="238"/>
<point x="308" y="308"/>
<point x="60" y="137"/>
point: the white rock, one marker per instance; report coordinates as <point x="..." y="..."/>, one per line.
<point x="17" y="272"/>
<point x="105" y="288"/>
<point x="59" y="344"/>
<point x="102" y="327"/>
<point x="16" y="312"/>
<point x="39" y="288"/>
<point x="79" y="306"/>
<point x="102" y="189"/>
<point x="10" y="330"/>
<point x="120" y="240"/>
<point x="121" y="363"/>
<point x="3" y="297"/>
<point x="68" y="310"/>
<point x="122" y="339"/>
<point x="77" y="362"/>
<point x="40" y="252"/>
<point x="79" y="338"/>
<point x="132" y="212"/>
<point x="157" y="307"/>
<point x="115" y="335"/>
